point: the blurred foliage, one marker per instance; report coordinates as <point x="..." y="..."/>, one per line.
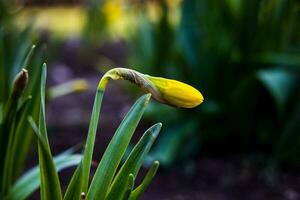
<point x="19" y="88"/>
<point x="19" y="83"/>
<point x="107" y="20"/>
<point x="16" y="135"/>
<point x="245" y="58"/>
<point x="95" y="21"/>
<point x="95" y="18"/>
<point x="61" y="21"/>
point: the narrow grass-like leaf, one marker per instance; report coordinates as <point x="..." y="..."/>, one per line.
<point x="28" y="56"/>
<point x="50" y="185"/>
<point x="9" y="173"/>
<point x="42" y="116"/>
<point x="24" y="133"/>
<point x="30" y="181"/>
<point x="10" y="122"/>
<point x="136" y="193"/>
<point x="1" y="114"/>
<point x="21" y="123"/>
<point x="80" y="179"/>
<point x="115" y="150"/>
<point x="90" y="142"/>
<point x="4" y="86"/>
<point x="74" y="189"/>
<point x="133" y="162"/>
<point x="129" y="187"/>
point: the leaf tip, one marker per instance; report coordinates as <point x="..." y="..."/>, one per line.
<point x="131" y="176"/>
<point x="159" y="124"/>
<point x="156" y="163"/>
<point x="147" y="98"/>
<point x="130" y="181"/>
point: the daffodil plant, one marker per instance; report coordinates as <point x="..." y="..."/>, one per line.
<point x="112" y="180"/>
<point x="19" y="98"/>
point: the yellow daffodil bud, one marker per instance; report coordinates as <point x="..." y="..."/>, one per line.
<point x="164" y="90"/>
<point x="177" y="93"/>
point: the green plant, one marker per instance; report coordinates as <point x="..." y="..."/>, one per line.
<point x="108" y="182"/>
<point x="245" y="54"/>
<point x="19" y="89"/>
<point x="17" y="101"/>
<point x="15" y="137"/>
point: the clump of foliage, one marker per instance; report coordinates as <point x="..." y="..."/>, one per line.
<point x="107" y="182"/>
<point x="111" y="180"/>
<point x="19" y="99"/>
<point x="19" y="89"/>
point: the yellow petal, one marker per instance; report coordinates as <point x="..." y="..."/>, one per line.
<point x="177" y="93"/>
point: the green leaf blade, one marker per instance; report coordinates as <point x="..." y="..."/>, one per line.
<point x="74" y="188"/>
<point x="129" y="187"/>
<point x="30" y="181"/>
<point x="133" y="162"/>
<point x="90" y="142"/>
<point x="116" y="149"/>
<point x="50" y="185"/>
<point x="136" y="193"/>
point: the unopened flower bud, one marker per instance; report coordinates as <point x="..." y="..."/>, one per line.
<point x="164" y="90"/>
<point x="20" y="83"/>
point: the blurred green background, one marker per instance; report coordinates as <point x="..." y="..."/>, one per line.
<point x="243" y="55"/>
